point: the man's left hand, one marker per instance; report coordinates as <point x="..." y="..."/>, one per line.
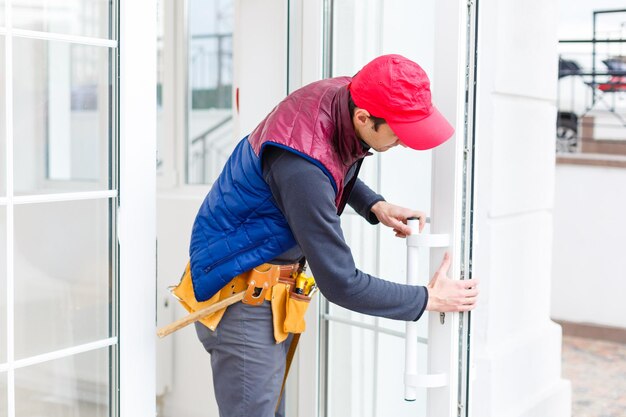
<point x="395" y="217"/>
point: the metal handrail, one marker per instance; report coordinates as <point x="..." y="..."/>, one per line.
<point x="212" y="129"/>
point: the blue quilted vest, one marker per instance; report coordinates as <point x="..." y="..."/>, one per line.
<point x="238" y="225"/>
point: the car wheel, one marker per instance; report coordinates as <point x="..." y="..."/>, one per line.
<point x="566" y="136"/>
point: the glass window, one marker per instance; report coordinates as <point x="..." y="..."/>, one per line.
<point x="3" y="284"/>
<point x="209" y="89"/>
<point x="72" y="386"/>
<point x="62" y="117"/>
<point x="79" y="17"/>
<point x="62" y="275"/>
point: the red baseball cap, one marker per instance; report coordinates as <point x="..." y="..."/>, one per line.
<point x="398" y="90"/>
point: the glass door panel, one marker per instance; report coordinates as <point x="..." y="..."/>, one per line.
<point x="58" y="246"/>
<point x="77" y="385"/>
<point x="363" y="30"/>
<point x="62" y="275"/>
<point x="61" y="114"/>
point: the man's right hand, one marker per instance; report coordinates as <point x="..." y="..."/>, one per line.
<point x="448" y="295"/>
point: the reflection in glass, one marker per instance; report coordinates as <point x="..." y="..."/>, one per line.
<point x="3" y="285"/>
<point x="2" y="117"/>
<point x="73" y="386"/>
<point x="209" y="91"/>
<point x="78" y="17"/>
<point x="61" y="116"/>
<point x="62" y="292"/>
<point x="351" y="365"/>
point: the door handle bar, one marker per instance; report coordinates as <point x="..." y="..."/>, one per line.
<point x="412" y="380"/>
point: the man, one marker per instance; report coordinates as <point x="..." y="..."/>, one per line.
<point x="279" y="199"/>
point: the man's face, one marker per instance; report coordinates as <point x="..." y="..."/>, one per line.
<point x="380" y="139"/>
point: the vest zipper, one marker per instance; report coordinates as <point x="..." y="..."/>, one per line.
<point x="232" y="255"/>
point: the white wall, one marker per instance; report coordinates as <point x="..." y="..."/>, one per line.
<point x="589" y="268"/>
<point x="517" y="349"/>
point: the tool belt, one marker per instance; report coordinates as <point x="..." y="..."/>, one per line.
<point x="284" y="286"/>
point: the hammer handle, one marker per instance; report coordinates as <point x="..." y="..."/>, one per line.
<point x="200" y="314"/>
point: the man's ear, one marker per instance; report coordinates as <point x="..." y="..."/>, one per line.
<point x="361" y="116"/>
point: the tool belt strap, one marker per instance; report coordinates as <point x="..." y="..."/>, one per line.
<point x="258" y="292"/>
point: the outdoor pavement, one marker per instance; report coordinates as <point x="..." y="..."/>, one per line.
<point x="597" y="370"/>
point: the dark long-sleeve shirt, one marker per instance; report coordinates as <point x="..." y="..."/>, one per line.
<point x="306" y="198"/>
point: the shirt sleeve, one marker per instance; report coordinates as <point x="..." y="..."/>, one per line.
<point x="306" y="198"/>
<point x="362" y="198"/>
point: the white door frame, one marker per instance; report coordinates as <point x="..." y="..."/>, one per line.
<point x="137" y="209"/>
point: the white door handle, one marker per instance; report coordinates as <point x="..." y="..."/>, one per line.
<point x="413" y="380"/>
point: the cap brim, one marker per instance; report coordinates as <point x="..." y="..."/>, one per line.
<point x="425" y="133"/>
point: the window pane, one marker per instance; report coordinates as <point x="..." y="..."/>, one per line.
<point x="73" y="386"/>
<point x="2" y="119"/>
<point x="77" y="17"/>
<point x="2" y="23"/>
<point x="61" y="116"/>
<point x="62" y="275"/>
<point x="210" y="61"/>
<point x="3" y="284"/>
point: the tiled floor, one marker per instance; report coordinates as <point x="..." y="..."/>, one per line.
<point x="597" y="370"/>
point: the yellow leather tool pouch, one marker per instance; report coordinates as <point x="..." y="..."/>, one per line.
<point x="280" y="295"/>
<point x="185" y="295"/>
<point x="296" y="307"/>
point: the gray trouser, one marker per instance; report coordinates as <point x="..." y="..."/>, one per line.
<point x="248" y="366"/>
